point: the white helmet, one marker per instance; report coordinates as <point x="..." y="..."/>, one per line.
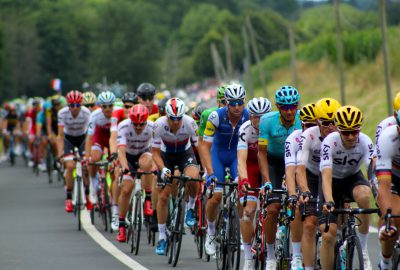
<point x="106" y="98"/>
<point x="235" y="91"/>
<point x="175" y="107"/>
<point x="259" y="106"/>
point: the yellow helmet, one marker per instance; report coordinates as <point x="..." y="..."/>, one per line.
<point x="307" y="113"/>
<point x="326" y="108"/>
<point x="396" y="102"/>
<point x="89" y="98"/>
<point x="348" y="118"/>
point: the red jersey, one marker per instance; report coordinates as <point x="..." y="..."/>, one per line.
<point x="117" y="116"/>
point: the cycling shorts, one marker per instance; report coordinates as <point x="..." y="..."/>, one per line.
<point x="276" y="174"/>
<point x="313" y="184"/>
<point x="221" y="160"/>
<point x="70" y="142"/>
<point x="101" y="139"/>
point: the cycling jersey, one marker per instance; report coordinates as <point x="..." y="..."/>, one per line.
<point x="154" y="117"/>
<point x="51" y="112"/>
<point x="117" y="116"/>
<point x="12" y="120"/>
<point x="74" y="126"/>
<point x="41" y="119"/>
<point x="154" y="109"/>
<point x="135" y="143"/>
<point x="387" y="122"/>
<point x="170" y="142"/>
<point x="99" y="127"/>
<point x="309" y="154"/>
<point x="388" y="153"/>
<point x="273" y="133"/>
<point x="31" y="114"/>
<point x="345" y="162"/>
<point x="203" y="120"/>
<point x="248" y="140"/>
<point x="292" y="146"/>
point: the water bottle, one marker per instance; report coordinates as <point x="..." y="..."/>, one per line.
<point x="280" y="233"/>
<point x="342" y="252"/>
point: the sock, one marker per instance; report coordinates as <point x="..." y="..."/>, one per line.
<point x="210" y="227"/>
<point x="308" y="268"/>
<point x="69" y="194"/>
<point x="115" y="209"/>
<point x="296" y="247"/>
<point x="386" y="260"/>
<point x="191" y="202"/>
<point x="148" y="195"/>
<point x="363" y="240"/>
<point x="92" y="182"/>
<point x="271" y="252"/>
<point x="86" y="190"/>
<point x="247" y="251"/>
<point x="121" y="221"/>
<point x="162" y="228"/>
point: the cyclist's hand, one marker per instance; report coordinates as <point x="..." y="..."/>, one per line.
<point x="266" y="187"/>
<point x="113" y="156"/>
<point x="244" y="184"/>
<point x="165" y="173"/>
<point x="304" y="197"/>
<point x="292" y="201"/>
<point x="386" y="235"/>
<point x="210" y="179"/>
<point x="329" y="207"/>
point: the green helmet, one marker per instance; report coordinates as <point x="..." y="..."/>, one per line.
<point x="221" y="92"/>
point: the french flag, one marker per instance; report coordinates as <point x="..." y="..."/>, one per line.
<point x="56" y="84"/>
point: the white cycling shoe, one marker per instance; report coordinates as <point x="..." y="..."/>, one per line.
<point x="209" y="244"/>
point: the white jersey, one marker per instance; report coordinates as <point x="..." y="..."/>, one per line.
<point x="180" y="141"/>
<point x="248" y="140"/>
<point x="345" y="162"/>
<point x="292" y="146"/>
<point x="98" y="121"/>
<point x="309" y="154"/>
<point x="74" y="126"/>
<point x="387" y="122"/>
<point x="135" y="143"/>
<point x="388" y="151"/>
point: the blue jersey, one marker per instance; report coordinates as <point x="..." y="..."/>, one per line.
<point x="273" y="133"/>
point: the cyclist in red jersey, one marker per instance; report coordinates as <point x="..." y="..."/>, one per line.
<point x="146" y="92"/>
<point x="31" y="122"/>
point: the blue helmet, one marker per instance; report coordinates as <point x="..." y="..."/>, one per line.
<point x="287" y="95"/>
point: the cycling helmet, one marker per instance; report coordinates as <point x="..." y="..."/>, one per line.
<point x="74" y="96"/>
<point x="396" y="102"/>
<point x="259" y="106"/>
<point x="129" y="97"/>
<point x="138" y="114"/>
<point x="106" y="98"/>
<point x="161" y="106"/>
<point x="175" y="107"/>
<point x="326" y="108"/>
<point x="287" y="95"/>
<point x="348" y="118"/>
<point x="221" y="92"/>
<point x="307" y="113"/>
<point x="235" y="91"/>
<point x="196" y="112"/>
<point x="89" y="98"/>
<point x="146" y="89"/>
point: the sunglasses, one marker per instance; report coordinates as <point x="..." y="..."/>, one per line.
<point x="175" y="118"/>
<point x="326" y="123"/>
<point x="74" y="105"/>
<point x="149" y="97"/>
<point x="349" y="132"/>
<point x="139" y="124"/>
<point x="287" y="107"/>
<point x="107" y="106"/>
<point x="235" y="102"/>
<point x="90" y="105"/>
<point x="127" y="106"/>
<point x="309" y="124"/>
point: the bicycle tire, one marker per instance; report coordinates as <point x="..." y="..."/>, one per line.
<point x="220" y="247"/>
<point x="197" y="229"/>
<point x="78" y="203"/>
<point x="282" y="248"/>
<point x="137" y="223"/>
<point x="107" y="206"/>
<point x="260" y="247"/>
<point x="177" y="232"/>
<point x="395" y="259"/>
<point x="354" y="254"/>
<point x="233" y="247"/>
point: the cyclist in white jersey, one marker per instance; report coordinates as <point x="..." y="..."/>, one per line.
<point x="308" y="159"/>
<point x="134" y="140"/>
<point x="342" y="154"/>
<point x="73" y="122"/>
<point x="249" y="172"/>
<point x="172" y="148"/>
<point x="292" y="147"/>
<point x="389" y="121"/>
<point x="388" y="174"/>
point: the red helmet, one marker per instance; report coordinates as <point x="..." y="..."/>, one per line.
<point x="138" y="114"/>
<point x="74" y="96"/>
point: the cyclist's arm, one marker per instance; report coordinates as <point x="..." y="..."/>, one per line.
<point x="208" y="138"/>
<point x="263" y="162"/>
<point x="113" y="142"/>
<point x="39" y="124"/>
<point x="384" y="167"/>
<point x="60" y="140"/>
<point x="326" y="175"/>
<point x="49" y="131"/>
<point x="122" y="157"/>
<point x="156" y="152"/>
<point x="301" y="178"/>
<point x="5" y="124"/>
<point x="88" y="146"/>
<point x="290" y="174"/>
<point x="205" y="154"/>
<point x="242" y="163"/>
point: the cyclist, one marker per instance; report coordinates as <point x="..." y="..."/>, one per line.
<point x="342" y="154"/>
<point x="161" y="110"/>
<point x="308" y="158"/>
<point x="388" y="174"/>
<point x="89" y="100"/>
<point x="146" y="92"/>
<point x="97" y="139"/>
<point x="11" y="126"/>
<point x="31" y="124"/>
<point x="275" y="127"/>
<point x="73" y="122"/>
<point x="41" y="133"/>
<point x="134" y="140"/>
<point x="249" y="172"/>
<point x="172" y="147"/>
<point x="219" y="150"/>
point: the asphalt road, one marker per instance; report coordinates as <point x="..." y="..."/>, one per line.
<point x="36" y="233"/>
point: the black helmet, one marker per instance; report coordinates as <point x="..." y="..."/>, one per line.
<point x="161" y="106"/>
<point x="146" y="89"/>
<point x="129" y="97"/>
<point x="196" y="112"/>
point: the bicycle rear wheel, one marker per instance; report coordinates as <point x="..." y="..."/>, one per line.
<point x="354" y="259"/>
<point x="233" y="247"/>
<point x="396" y="258"/>
<point x="282" y="247"/>
<point x="220" y="246"/>
<point x="137" y="222"/>
<point x="197" y="229"/>
<point x="259" y="244"/>
<point x="177" y="232"/>
<point x="78" y="202"/>
<point x="129" y="234"/>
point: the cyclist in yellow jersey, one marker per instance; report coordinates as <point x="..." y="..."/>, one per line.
<point x="161" y="110"/>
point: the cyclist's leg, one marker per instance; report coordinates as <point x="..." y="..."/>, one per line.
<point x="190" y="168"/>
<point x="146" y="164"/>
<point x="95" y="156"/>
<point x="6" y="142"/>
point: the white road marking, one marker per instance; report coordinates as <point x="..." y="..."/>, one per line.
<point x="107" y="245"/>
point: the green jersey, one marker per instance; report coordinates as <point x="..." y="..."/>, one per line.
<point x="203" y="120"/>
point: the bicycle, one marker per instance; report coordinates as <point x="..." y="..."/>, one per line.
<point x="396" y="250"/>
<point x="49" y="162"/>
<point x="78" y="196"/>
<point x="176" y="220"/>
<point x="227" y="238"/>
<point x="348" y="252"/>
<point x="36" y="156"/>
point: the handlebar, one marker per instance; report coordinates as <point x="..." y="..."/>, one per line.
<point x="350" y="212"/>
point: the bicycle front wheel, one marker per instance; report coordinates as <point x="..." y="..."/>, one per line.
<point x="220" y="246"/>
<point x="177" y="232"/>
<point x="354" y="255"/>
<point x="233" y="247"/>
<point x="137" y="222"/>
